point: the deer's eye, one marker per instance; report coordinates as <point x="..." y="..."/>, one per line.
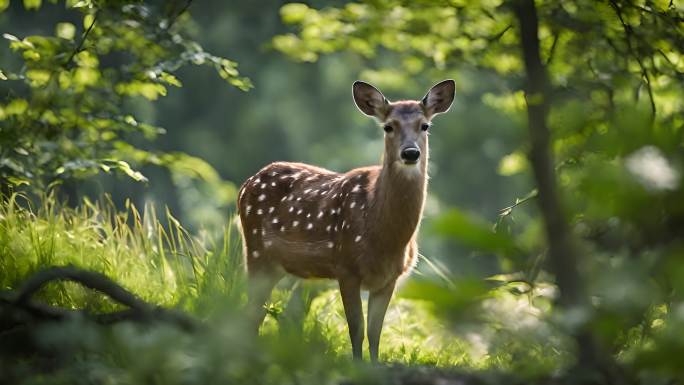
<point x="387" y="128"/>
<point x="424" y="126"/>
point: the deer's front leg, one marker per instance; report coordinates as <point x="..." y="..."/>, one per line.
<point x="378" y="301"/>
<point x="350" y="289"/>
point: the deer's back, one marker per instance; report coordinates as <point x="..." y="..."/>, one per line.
<point x="307" y="219"/>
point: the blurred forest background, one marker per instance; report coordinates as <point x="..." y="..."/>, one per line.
<point x="552" y="238"/>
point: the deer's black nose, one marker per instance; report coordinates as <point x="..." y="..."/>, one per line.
<point x="410" y="154"/>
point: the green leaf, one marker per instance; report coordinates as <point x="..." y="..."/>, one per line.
<point x="78" y="4"/>
<point x="38" y="78"/>
<point x="32" y="4"/>
<point x="125" y="168"/>
<point x="170" y="79"/>
<point x="512" y="164"/>
<point x="65" y="31"/>
<point x="475" y="232"/>
<point x="2" y="75"/>
<point x="16" y="107"/>
<point x="450" y="300"/>
<point x="4" y="4"/>
<point x="294" y="13"/>
<point x="10" y="37"/>
<point x="86" y="76"/>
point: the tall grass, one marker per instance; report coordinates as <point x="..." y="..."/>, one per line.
<point x="156" y="258"/>
<point x="304" y="340"/>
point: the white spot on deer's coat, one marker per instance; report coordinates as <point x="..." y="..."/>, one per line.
<point x="309" y="226"/>
<point x="295" y="223"/>
<point x="263" y="231"/>
<point x="254" y="231"/>
<point x="299" y="211"/>
<point x="273" y="173"/>
<point x="351" y="205"/>
<point x="307" y="191"/>
<point x="327" y="228"/>
<point x="335" y="228"/>
<point x="262" y="197"/>
<point x="299" y="198"/>
<point x="249" y="208"/>
<point x="275" y="220"/>
<point x="291" y="209"/>
<point x="260" y="211"/>
<point x="357" y="239"/>
<point x="255" y="254"/>
<point x="283" y="198"/>
<point x="356" y="188"/>
<point x="282" y="229"/>
<point x="363" y="206"/>
<point x="332" y="211"/>
<point x="271" y="209"/>
<point x="273" y="184"/>
<point x="257" y="181"/>
<point x="263" y="185"/>
<point x="330" y="245"/>
<point x="268" y="243"/>
<point x="320" y="215"/>
<point x="289" y="198"/>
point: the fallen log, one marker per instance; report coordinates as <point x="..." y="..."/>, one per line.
<point x="17" y="308"/>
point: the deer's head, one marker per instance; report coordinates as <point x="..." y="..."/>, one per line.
<point x="406" y="122"/>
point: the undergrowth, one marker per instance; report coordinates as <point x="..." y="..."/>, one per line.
<point x="304" y="339"/>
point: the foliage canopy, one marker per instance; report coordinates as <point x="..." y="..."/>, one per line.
<point x="72" y="113"/>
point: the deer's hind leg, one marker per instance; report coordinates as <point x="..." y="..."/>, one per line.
<point x="262" y="276"/>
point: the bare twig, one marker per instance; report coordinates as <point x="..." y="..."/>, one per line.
<point x="628" y="39"/>
<point x="84" y="36"/>
<point x="173" y="20"/>
<point x="552" y="50"/>
<point x="507" y="210"/>
<point x="664" y="16"/>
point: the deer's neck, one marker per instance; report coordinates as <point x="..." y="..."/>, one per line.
<point x="398" y="201"/>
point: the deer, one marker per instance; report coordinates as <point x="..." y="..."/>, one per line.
<point x="358" y="227"/>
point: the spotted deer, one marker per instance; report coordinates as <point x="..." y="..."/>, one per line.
<point x="358" y="227"/>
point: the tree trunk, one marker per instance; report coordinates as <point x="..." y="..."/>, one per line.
<point x="563" y="258"/>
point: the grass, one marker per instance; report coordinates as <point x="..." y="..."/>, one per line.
<point x="162" y="263"/>
<point x="303" y="341"/>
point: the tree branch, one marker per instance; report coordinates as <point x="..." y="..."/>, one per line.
<point x="628" y="39"/>
<point x="138" y="310"/>
<point x="562" y="256"/>
<point x="79" y="47"/>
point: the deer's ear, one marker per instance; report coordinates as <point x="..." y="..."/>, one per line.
<point x="439" y="98"/>
<point x="369" y="99"/>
